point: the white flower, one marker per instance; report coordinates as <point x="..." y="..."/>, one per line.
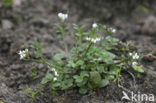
<point x="134" y="63"/>
<point x="23" y="53"/>
<point x="56" y="74"/>
<point x="135" y="56"/>
<point x="59" y="15"/>
<point x="94" y="40"/>
<point x="112" y="30"/>
<point x="62" y="16"/>
<point x="26" y="50"/>
<point x="94" y="25"/>
<point x="53" y="69"/>
<point x="130" y="54"/>
<point x="54" y="78"/>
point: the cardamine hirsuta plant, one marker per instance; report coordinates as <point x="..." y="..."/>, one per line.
<point x="95" y="59"/>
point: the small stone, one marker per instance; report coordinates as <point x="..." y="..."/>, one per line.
<point x="149" y="26"/>
<point x="40" y="22"/>
<point x="6" y="24"/>
<point x="12" y="84"/>
<point x="149" y="57"/>
<point x="17" y="3"/>
<point x="15" y="67"/>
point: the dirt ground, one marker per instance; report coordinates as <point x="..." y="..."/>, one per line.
<point x="135" y="21"/>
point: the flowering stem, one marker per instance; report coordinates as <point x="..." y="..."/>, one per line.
<point x="43" y="61"/>
<point x="88" y="49"/>
<point x="124" y="60"/>
<point x="65" y="46"/>
<point x="63" y="36"/>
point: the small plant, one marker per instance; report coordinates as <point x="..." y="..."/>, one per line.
<point x="144" y="9"/>
<point x="35" y="72"/>
<point x="7" y="3"/>
<point x="94" y="61"/>
<point x="29" y="92"/>
<point x="1" y="101"/>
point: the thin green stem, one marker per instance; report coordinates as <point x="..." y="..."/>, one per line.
<point x="89" y="46"/>
<point x="66" y="47"/>
<point x="63" y="37"/>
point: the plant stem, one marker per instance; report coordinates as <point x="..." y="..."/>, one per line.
<point x="88" y="49"/>
<point x="66" y="47"/>
<point x="42" y="60"/>
<point x="63" y="36"/>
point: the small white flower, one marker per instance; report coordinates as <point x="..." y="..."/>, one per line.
<point x="87" y="38"/>
<point x="23" y="53"/>
<point x="134" y="63"/>
<point x="135" y="56"/>
<point x="53" y="69"/>
<point x="112" y="30"/>
<point x="26" y="50"/>
<point x="54" y="78"/>
<point x="56" y="74"/>
<point x="94" y="40"/>
<point x="98" y="39"/>
<point x="130" y="54"/>
<point x="62" y="16"/>
<point x="94" y="25"/>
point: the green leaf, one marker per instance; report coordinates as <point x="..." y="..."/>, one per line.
<point x="78" y="78"/>
<point x="7" y="3"/>
<point x="47" y="78"/>
<point x="84" y="74"/>
<point x="106" y="45"/>
<point x="138" y="68"/>
<point x="144" y="9"/>
<point x="103" y="27"/>
<point x="109" y="76"/>
<point x="89" y="85"/>
<point x="58" y="57"/>
<point x="55" y="85"/>
<point x="95" y="77"/>
<point x="71" y="63"/>
<point x="103" y="83"/>
<point x="107" y="56"/>
<point x="37" y="48"/>
<point x="80" y="84"/>
<point x="79" y="30"/>
<point x="79" y="62"/>
<point x="67" y="83"/>
<point x="75" y="26"/>
<point x="113" y="41"/>
<point x="83" y="90"/>
<point x="59" y="28"/>
<point x="100" y="69"/>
